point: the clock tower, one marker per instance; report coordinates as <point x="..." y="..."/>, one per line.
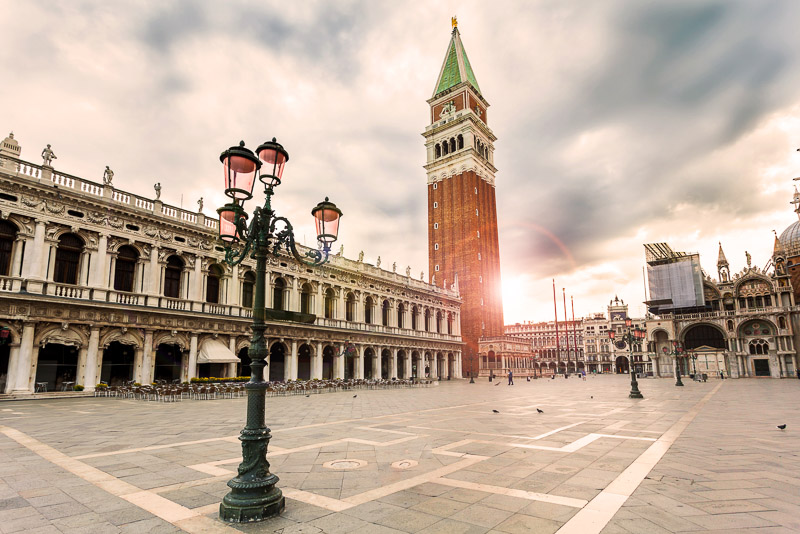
<point x="463" y="245"/>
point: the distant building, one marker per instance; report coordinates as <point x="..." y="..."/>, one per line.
<point x="556" y="348"/>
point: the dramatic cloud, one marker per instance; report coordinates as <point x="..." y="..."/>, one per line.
<point x="619" y="123"/>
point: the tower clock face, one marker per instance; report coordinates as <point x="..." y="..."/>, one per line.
<point x="620" y="344"/>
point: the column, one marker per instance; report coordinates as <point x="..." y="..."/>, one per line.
<point x="83" y="277"/>
<point x="407" y="365"/>
<point x="316" y="362"/>
<point x="319" y="304"/>
<point x="232" y="348"/>
<point x="13" y="362"/>
<point x="16" y="262"/>
<point x="138" y="365"/>
<point x="21" y="382"/>
<point x="339" y="360"/>
<point x="192" y="356"/>
<point x="81" y="370"/>
<point x="90" y="370"/>
<point x="291" y="368"/>
<point x="33" y="269"/>
<point x="392" y="359"/>
<point x="446" y="366"/>
<point x="360" y="362"/>
<point x="340" y="310"/>
<point x="196" y="285"/>
<point x="153" y="284"/>
<point x="148" y="358"/>
<point x="233" y="287"/>
<point x="376" y="365"/>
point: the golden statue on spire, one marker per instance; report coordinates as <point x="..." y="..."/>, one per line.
<point x="454" y="21"/>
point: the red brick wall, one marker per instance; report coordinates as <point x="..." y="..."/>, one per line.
<point x="459" y="246"/>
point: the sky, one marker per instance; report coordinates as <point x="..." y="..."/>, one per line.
<point x="618" y="122"/>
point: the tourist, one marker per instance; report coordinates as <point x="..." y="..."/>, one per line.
<point x="510" y="378"/>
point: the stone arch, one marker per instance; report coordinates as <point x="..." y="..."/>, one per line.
<point x="124" y="336"/>
<point x="61" y="335"/>
<point x="761" y="325"/>
<point x="700" y="334"/>
<point x="169" y="338"/>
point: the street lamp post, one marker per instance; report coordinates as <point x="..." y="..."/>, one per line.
<point x="677" y="351"/>
<point x="630" y="336"/>
<point x="253" y="494"/>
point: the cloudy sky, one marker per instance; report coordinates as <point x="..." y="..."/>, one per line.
<point x="618" y="122"/>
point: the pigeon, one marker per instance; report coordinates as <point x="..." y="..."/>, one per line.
<point x="782" y="427"/>
<point x="497" y="384"/>
<point x="538" y="410"/>
<point x="354" y="396"/>
<point x="495" y="411"/>
<point x="308" y="395"/>
<point x="591" y="396"/>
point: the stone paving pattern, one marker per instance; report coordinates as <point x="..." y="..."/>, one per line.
<point x="115" y="465"/>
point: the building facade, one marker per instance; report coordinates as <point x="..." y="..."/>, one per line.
<point x="604" y="355"/>
<point x="748" y="330"/>
<point x="97" y="284"/>
<point x="463" y="247"/>
<point x="556" y="347"/>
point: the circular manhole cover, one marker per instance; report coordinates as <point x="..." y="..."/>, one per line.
<point x="404" y="464"/>
<point x="344" y="464"/>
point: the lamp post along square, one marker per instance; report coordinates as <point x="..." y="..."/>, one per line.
<point x="254" y="495"/>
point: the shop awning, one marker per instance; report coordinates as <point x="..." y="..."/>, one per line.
<point x="214" y="351"/>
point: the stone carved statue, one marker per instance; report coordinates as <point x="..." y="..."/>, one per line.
<point x="48" y="156"/>
<point x="394" y="267"/>
<point x="747" y="255"/>
<point x="422" y="275"/>
<point x="433" y="280"/>
<point x="200" y="205"/>
<point x="378" y="263"/>
<point x="408" y="272"/>
<point x="341" y="250"/>
<point x="157" y="187"/>
<point x="361" y="256"/>
<point x="108" y="176"/>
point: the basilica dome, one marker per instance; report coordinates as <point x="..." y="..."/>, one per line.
<point x="790" y="239"/>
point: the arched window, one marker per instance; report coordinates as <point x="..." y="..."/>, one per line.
<point x="125" y="268"/>
<point x="759" y="346"/>
<point x="212" y="284"/>
<point x="8" y="233"/>
<point x="386" y="308"/>
<point x="438" y="150"/>
<point x="172" y="277"/>
<point x="460" y="141"/>
<point x="277" y="294"/>
<point x="449" y="323"/>
<point x="330" y="300"/>
<point x="427" y="324"/>
<point x="401" y="311"/>
<point x="781" y="322"/>
<point x="350" y="311"/>
<point x="452" y="144"/>
<point x="368" y="310"/>
<point x="305" y="298"/>
<point x="414" y="313"/>
<point x="68" y="257"/>
<point x="730" y="325"/>
<point x="248" y="285"/>
<point x="438" y="322"/>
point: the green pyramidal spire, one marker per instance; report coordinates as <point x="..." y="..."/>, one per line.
<point x="456" y="67"/>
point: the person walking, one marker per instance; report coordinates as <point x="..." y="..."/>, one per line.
<point x="583" y="374"/>
<point x="510" y="378"/>
<point x="798" y="373"/>
<point x="721" y="375"/>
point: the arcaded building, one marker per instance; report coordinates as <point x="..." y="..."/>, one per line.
<point x="99" y="284"/>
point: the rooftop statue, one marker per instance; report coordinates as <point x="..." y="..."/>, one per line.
<point x="48" y="156"/>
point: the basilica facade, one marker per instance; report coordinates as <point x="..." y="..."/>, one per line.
<point x="750" y="325"/>
<point x="98" y="284"/>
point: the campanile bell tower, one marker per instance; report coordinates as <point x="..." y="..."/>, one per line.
<point x="462" y="213"/>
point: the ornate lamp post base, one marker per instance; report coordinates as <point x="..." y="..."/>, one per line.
<point x="635" y="393"/>
<point x="253" y="494"/>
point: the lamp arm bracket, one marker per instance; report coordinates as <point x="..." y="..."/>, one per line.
<point x="285" y="237"/>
